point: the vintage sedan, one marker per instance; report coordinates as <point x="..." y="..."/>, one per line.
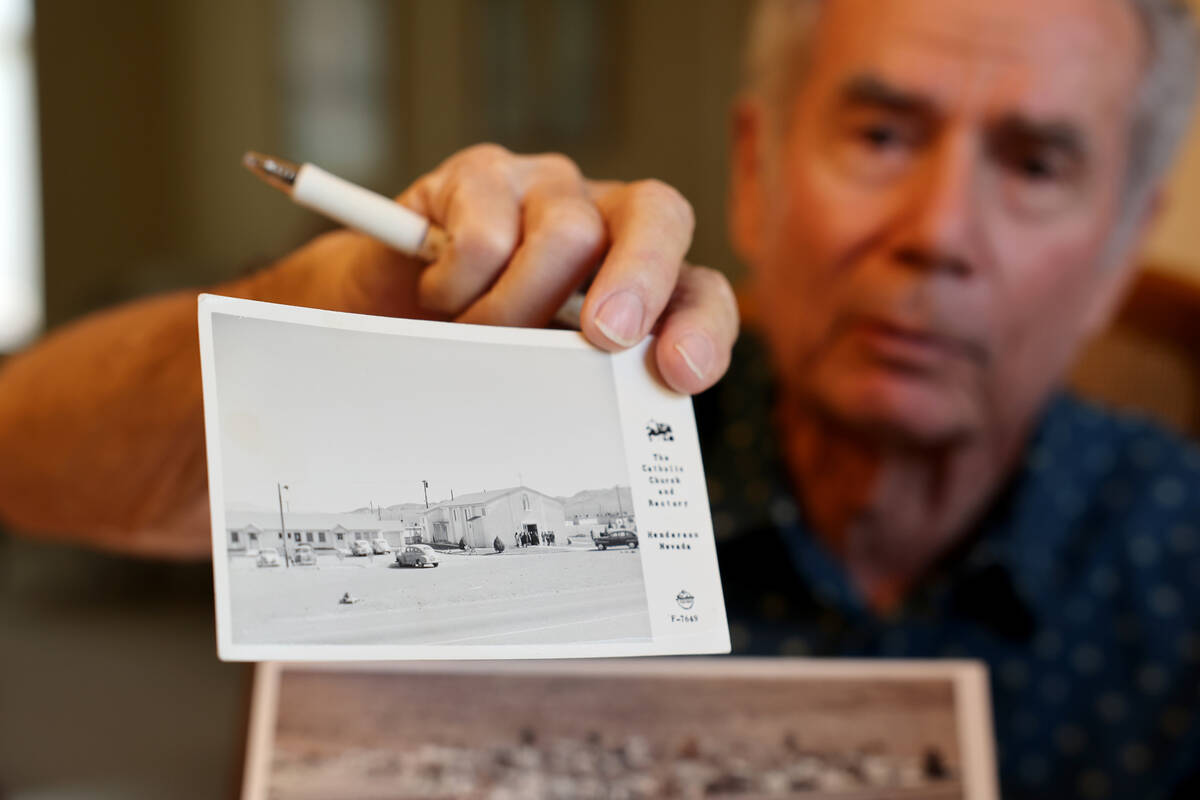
<point x="616" y="538"/>
<point x="268" y="557"/>
<point x="304" y="556"/>
<point x="360" y="548"/>
<point x="416" y="555"/>
<point x="381" y="546"/>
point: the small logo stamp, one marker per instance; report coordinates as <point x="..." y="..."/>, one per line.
<point x="685" y="599"/>
<point x="659" y="430"/>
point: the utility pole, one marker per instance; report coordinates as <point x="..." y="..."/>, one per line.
<point x="425" y="488"/>
<point x="287" y="561"/>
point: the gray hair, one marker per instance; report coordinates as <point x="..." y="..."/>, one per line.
<point x="780" y="36"/>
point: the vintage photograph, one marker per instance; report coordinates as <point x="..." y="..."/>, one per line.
<point x="382" y="489"/>
<point x="694" y="729"/>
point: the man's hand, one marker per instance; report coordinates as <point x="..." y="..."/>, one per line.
<point x="526" y="231"/>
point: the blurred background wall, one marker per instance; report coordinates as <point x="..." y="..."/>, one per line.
<point x="146" y="108"/>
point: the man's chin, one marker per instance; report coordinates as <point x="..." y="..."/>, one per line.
<point x="899" y="412"/>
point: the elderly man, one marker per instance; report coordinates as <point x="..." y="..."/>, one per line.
<point x="939" y="201"/>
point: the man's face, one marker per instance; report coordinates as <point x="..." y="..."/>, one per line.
<point x="931" y="238"/>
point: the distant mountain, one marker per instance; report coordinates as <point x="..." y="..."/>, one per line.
<point x="402" y="511"/>
<point x="597" y="501"/>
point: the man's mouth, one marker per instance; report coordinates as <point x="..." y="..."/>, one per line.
<point x="912" y="348"/>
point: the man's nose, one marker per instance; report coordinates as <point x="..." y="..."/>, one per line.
<point x="938" y="214"/>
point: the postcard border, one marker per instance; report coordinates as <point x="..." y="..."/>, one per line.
<point x="710" y="638"/>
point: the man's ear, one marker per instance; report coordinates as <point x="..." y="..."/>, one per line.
<point x="1119" y="273"/>
<point x="746" y="182"/>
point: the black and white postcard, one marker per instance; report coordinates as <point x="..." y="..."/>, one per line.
<point x="398" y="489"/>
<point x="723" y="727"/>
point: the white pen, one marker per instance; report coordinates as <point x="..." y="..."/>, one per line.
<point x="373" y="214"/>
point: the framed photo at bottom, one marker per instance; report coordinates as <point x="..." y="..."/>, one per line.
<point x="640" y="728"/>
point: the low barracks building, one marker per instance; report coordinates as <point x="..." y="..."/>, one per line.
<point x="478" y="518"/>
<point x="481" y="517"/>
<point x="249" y="531"/>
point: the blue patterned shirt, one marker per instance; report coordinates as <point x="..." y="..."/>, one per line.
<point x="1080" y="589"/>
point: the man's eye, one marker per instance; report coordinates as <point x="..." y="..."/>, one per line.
<point x="880" y="136"/>
<point x="1039" y="180"/>
<point x="1038" y="168"/>
<point x="1037" y="164"/>
<point x="877" y="147"/>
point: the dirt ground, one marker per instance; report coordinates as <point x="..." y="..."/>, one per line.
<point x="526" y="596"/>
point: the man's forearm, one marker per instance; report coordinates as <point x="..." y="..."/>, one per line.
<point x="101" y="430"/>
<point x="101" y="423"/>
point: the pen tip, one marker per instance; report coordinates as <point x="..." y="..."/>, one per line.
<point x="275" y="171"/>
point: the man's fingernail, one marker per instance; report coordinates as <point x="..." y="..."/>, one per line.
<point x="620" y="318"/>
<point x="698" y="354"/>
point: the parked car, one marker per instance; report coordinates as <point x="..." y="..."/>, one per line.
<point x="380" y="546"/>
<point x="304" y="555"/>
<point x="360" y="548"/>
<point x="416" y="555"/>
<point x="615" y="538"/>
<point x="268" y="557"/>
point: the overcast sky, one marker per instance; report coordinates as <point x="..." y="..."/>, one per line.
<point x="347" y="418"/>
